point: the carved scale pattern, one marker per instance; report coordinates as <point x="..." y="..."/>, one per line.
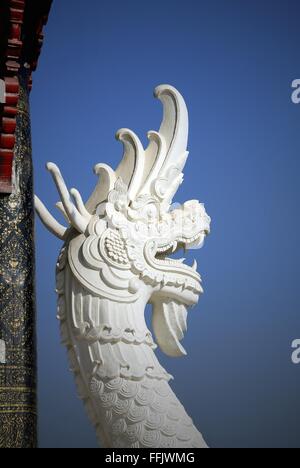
<point x="126" y="392"/>
<point x="144" y="414"/>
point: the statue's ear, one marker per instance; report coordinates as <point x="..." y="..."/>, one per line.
<point x="169" y="325"/>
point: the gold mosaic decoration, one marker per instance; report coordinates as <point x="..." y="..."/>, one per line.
<point x="18" y="419"/>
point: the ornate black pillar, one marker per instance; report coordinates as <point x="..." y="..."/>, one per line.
<point x="21" y="37"/>
<point x="18" y="414"/>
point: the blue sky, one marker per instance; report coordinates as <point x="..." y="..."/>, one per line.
<point x="234" y="63"/>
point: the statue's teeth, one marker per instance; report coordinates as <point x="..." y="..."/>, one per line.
<point x="174" y="247"/>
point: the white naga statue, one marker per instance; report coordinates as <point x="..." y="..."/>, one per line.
<point x="115" y="261"/>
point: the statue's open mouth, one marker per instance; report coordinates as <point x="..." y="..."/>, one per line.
<point x="179" y="274"/>
<point x="164" y="251"/>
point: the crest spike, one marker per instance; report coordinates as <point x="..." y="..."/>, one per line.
<point x="106" y="183"/>
<point x="131" y="168"/>
<point x="166" y="154"/>
<point x="175" y="124"/>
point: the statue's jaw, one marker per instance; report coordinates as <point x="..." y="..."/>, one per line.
<point x="179" y="291"/>
<point x="180" y="294"/>
<point x="169" y="322"/>
<point x="170" y="310"/>
<point x="159" y="254"/>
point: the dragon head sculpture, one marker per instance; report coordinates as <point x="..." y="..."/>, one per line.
<point x="120" y="243"/>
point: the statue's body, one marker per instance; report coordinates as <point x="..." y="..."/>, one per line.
<point x="114" y="262"/>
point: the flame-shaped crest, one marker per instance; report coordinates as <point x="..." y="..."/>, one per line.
<point x="156" y="171"/>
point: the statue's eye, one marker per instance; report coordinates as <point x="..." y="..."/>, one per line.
<point x="151" y="212"/>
